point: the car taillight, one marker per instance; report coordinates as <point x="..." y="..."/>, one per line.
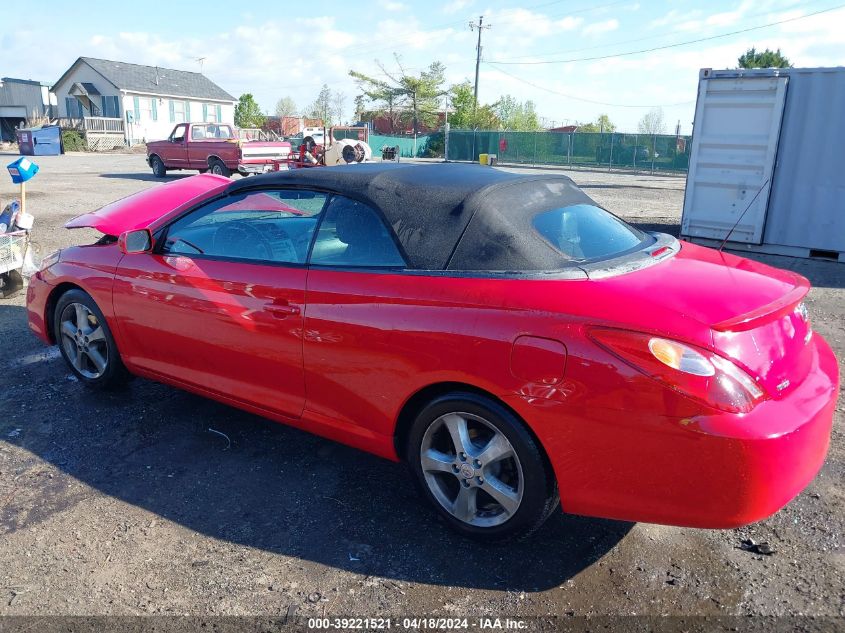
<point x="692" y="371"/>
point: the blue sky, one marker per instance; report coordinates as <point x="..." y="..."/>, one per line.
<point x="277" y="49"/>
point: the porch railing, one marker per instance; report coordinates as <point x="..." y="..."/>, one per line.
<point x="93" y="124"/>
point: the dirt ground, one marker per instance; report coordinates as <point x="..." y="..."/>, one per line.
<point x="126" y="503"/>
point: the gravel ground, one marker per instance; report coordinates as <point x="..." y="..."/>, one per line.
<point x="125" y="503"/>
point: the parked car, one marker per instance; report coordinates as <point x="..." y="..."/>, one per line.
<point x="516" y="344"/>
<point x="213" y="147"/>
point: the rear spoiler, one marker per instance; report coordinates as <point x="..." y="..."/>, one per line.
<point x="769" y="312"/>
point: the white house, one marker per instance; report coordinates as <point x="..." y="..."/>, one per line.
<point x="141" y="102"/>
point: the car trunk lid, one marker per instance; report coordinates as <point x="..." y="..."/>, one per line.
<point x="749" y="310"/>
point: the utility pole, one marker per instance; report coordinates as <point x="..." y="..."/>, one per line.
<point x="472" y="27"/>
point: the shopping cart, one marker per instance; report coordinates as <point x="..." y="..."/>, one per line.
<point x="19" y="258"/>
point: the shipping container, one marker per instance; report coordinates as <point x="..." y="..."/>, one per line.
<point x="767" y="164"/>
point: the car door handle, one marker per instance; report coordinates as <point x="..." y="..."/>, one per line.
<point x="280" y="311"/>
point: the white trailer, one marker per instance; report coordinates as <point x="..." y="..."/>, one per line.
<point x="767" y="163"/>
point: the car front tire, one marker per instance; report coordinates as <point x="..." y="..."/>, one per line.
<point x="480" y="468"/>
<point x="86" y="342"/>
<point x="159" y="171"/>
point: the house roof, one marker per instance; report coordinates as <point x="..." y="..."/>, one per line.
<point x="154" y="80"/>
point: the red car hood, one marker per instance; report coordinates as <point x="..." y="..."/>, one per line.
<point x="141" y="209"/>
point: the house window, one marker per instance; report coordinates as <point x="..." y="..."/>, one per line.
<point x="177" y="112"/>
<point x="211" y="113"/>
<point x="111" y="107"/>
<point x="74" y="108"/>
<point x="145" y="106"/>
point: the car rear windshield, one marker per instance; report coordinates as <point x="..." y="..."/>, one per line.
<point x="584" y="232"/>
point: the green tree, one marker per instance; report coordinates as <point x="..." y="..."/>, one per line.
<point x="418" y="95"/>
<point x="516" y="115"/>
<point x="752" y="58"/>
<point x="247" y="112"/>
<point x="360" y="103"/>
<point x="601" y="124"/>
<point x="465" y="115"/>
<point x="285" y="107"/>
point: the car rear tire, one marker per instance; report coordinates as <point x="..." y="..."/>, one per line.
<point x="157" y="164"/>
<point x="480" y="468"/>
<point x="86" y="342"/>
<point x="218" y="168"/>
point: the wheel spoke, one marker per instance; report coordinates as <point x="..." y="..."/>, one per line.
<point x="78" y="359"/>
<point x="96" y="334"/>
<point x="81" y="316"/>
<point x="96" y="358"/>
<point x="503" y="494"/>
<point x="457" y="427"/>
<point x="465" y="507"/>
<point x="68" y="329"/>
<point x="434" y="461"/>
<point x="497" y="448"/>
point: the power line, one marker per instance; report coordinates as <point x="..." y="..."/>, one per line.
<point x="604" y="103"/>
<point x="675" y="45"/>
<point x="655" y="36"/>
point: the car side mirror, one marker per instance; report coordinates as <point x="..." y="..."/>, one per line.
<point x="137" y="241"/>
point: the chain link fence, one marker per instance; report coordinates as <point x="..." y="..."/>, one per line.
<point x="660" y="152"/>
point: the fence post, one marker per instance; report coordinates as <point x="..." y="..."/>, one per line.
<point x="569" y="151"/>
<point x="636" y="141"/>
<point x="610" y="163"/>
<point x="446" y="142"/>
<point x="535" y="149"/>
<point x="653" y="149"/>
<point x="473" y="158"/>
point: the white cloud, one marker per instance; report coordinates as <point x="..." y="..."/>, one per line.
<point x="392" y="5"/>
<point x="729" y="18"/>
<point x="599" y="28"/>
<point x="456" y="5"/>
<point x="675" y="17"/>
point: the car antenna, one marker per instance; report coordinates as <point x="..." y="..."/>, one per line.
<point x="739" y="219"/>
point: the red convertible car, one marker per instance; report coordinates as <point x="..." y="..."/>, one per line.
<point x="517" y="345"/>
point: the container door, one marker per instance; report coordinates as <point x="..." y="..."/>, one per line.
<point x="734" y="147"/>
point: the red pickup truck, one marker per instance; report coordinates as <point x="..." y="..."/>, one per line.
<point x="213" y="147"/>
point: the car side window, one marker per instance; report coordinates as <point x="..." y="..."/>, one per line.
<point x="178" y="134"/>
<point x="352" y="234"/>
<point x="266" y="226"/>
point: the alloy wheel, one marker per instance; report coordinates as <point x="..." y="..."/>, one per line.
<point x="472" y="469"/>
<point x="84" y="340"/>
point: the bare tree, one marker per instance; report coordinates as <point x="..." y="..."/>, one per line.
<point x="322" y="107"/>
<point x="338" y="106"/>
<point x="285" y="107"/>
<point x="652" y="122"/>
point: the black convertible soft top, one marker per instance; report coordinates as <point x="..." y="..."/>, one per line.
<point x="449" y="216"/>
